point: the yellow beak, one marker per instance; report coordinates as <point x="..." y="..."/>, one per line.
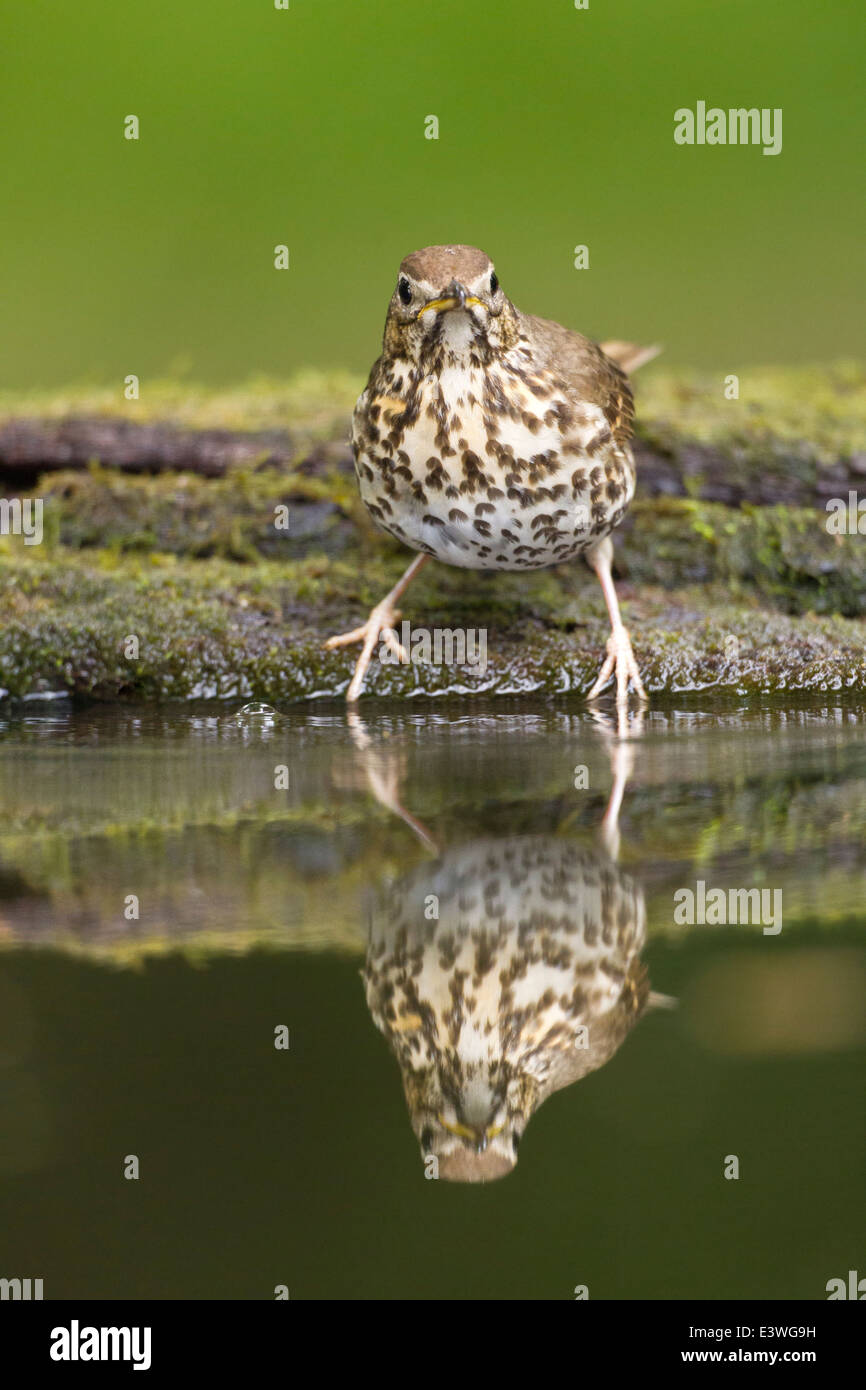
<point x="477" y="1136"/>
<point x="454" y="297"/>
<point x="448" y="302"/>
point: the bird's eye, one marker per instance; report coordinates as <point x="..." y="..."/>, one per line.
<point x="404" y="289"/>
<point x="494" y="282"/>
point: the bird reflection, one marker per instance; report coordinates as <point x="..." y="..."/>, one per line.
<point x="501" y="973"/>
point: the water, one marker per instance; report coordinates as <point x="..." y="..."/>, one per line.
<point x="266" y="850"/>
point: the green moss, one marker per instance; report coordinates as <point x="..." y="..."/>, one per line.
<point x="821" y="408"/>
<point x="783" y="555"/>
<point x="741" y="599"/>
<point x="210" y="628"/>
<point x="319" y="403"/>
<point x="183" y="514"/>
<point x="806" y="416"/>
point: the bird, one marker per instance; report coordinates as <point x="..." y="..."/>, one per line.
<point x="491" y="439"/>
<point x="501" y="973"/>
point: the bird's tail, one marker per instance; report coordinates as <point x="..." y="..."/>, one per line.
<point x="628" y="355"/>
<point x="661" y="1001"/>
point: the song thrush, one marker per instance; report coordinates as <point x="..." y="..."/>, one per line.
<point x="492" y="439"/>
<point x="506" y="970"/>
<point x="527" y="979"/>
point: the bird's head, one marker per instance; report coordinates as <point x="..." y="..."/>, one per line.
<point x="470" y="1120"/>
<point x="448" y="304"/>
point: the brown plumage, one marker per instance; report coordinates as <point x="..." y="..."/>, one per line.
<point x="502" y="973"/>
<point x="492" y="439"/>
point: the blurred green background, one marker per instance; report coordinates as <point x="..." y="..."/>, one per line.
<point x="306" y="127"/>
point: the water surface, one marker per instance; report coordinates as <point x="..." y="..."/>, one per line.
<point x="262" y="904"/>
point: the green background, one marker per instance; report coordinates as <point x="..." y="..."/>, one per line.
<point x="306" y="126"/>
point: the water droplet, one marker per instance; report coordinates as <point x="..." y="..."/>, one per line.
<point x="257" y="716"/>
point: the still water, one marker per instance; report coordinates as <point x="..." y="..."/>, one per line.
<point x="473" y="927"/>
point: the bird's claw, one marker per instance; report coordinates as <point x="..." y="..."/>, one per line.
<point x="620" y="661"/>
<point x="380" y="624"/>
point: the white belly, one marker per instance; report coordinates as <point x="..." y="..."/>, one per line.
<point x="512" y="500"/>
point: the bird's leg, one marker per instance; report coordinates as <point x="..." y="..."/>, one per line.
<point x="619" y="744"/>
<point x="383" y="771"/>
<point x="380" y="621"/>
<point x="622" y="764"/>
<point x="620" y="657"/>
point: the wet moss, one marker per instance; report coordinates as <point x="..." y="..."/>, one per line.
<point x="807" y="417"/>
<point x="241" y="517"/>
<point x="746" y="597"/>
<point x="784" y="555"/>
<point x="106" y="627"/>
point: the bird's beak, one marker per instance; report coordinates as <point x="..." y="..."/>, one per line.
<point x="454" y="296"/>
<point x="479" y="1135"/>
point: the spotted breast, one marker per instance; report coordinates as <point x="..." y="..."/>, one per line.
<point x="495" y="460"/>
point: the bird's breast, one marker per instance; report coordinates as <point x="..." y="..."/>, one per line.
<point x="533" y="939"/>
<point x="489" y="467"/>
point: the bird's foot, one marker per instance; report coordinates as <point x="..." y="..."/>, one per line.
<point x="380" y="624"/>
<point x="620" y="661"/>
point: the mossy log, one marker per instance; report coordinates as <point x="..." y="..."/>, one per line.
<point x="159" y="524"/>
<point x="789" y="448"/>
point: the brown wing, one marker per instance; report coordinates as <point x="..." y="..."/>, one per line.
<point x="588" y="375"/>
